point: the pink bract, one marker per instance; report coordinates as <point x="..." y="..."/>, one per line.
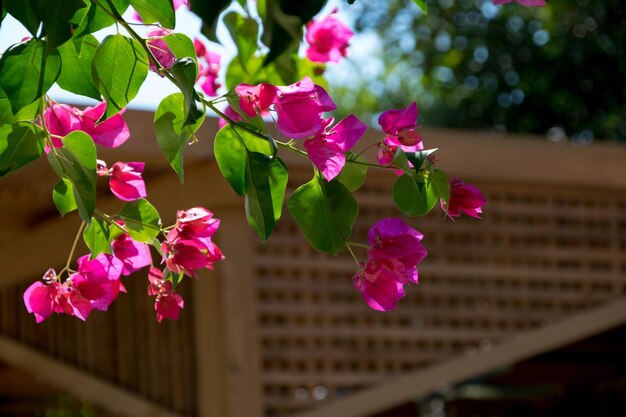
<point x="168" y="303"/>
<point x="134" y="255"/>
<point x="328" y="39"/>
<point x="327" y="149"/>
<point x="60" y="120"/>
<point x="110" y="133"/>
<point x="255" y="99"/>
<point x="98" y="280"/>
<point x="160" y="50"/>
<point x="465" y="198"/>
<point x="300" y="106"/>
<point x="379" y="290"/>
<point x="126" y="181"/>
<point x="527" y="3"/>
<point x="209" y="68"/>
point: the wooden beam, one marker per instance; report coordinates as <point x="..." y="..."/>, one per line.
<point x="424" y="381"/>
<point x="79" y="383"/>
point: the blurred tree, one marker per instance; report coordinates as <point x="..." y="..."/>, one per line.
<point x="558" y="70"/>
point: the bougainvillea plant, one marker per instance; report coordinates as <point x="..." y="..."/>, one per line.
<point x="266" y="81"/>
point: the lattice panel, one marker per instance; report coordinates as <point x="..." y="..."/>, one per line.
<point x="125" y="346"/>
<point x="540" y="253"/>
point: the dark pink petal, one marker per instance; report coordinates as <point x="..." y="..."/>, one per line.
<point x="210" y="85"/>
<point x="255" y="98"/>
<point x="391" y="227"/>
<point x="392" y="121"/>
<point x="38" y="300"/>
<point x="168" y="306"/>
<point x="81" y="307"/>
<point x="98" y="280"/>
<point x="381" y="294"/>
<point x="465" y="198"/>
<point x="327" y="156"/>
<point x="160" y="50"/>
<point x="347" y="132"/>
<point x="199" y="47"/>
<point x="197" y="222"/>
<point x="155" y="277"/>
<point x="298" y="119"/>
<point x="111" y="133"/>
<point x="60" y="120"/>
<point x="134" y="255"/>
<point x="126" y="181"/>
<point x="328" y="40"/>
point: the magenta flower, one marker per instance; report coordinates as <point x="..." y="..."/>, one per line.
<point x="126" y="181"/>
<point x="300" y="106"/>
<point x="394" y="251"/>
<point x="98" y="280"/>
<point x="134" y="255"/>
<point x="160" y="50"/>
<point x="328" y="39"/>
<point x="110" y="133"/>
<point x="209" y="68"/>
<point x="188" y="246"/>
<point x="465" y="198"/>
<point x="327" y="149"/>
<point x="60" y="120"/>
<point x="168" y="303"/>
<point x="256" y="99"/>
<point x="399" y="126"/>
<point x="527" y="3"/>
<point x="44" y="298"/>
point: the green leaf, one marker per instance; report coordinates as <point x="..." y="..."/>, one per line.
<point x="97" y="237"/>
<point x="185" y="72"/>
<point x="63" y="196"/>
<point x="76" y="162"/>
<point x="26" y="73"/>
<point x="55" y="16"/>
<point x="266" y="181"/>
<point x="418" y="158"/>
<point x="422" y="5"/>
<point x="77" y="57"/>
<point x="181" y="46"/>
<point x="352" y="176"/>
<point x="231" y="157"/>
<point x="209" y="12"/>
<point x="91" y="19"/>
<point x="412" y="197"/>
<point x="119" y="68"/>
<point x="25" y="114"/>
<point x="20" y="144"/>
<point x="245" y="33"/>
<point x="325" y="212"/>
<point x="401" y="162"/>
<point x="253" y="73"/>
<point x="171" y="133"/>
<point x="153" y="11"/>
<point x="439" y="182"/>
<point x="141" y="220"/>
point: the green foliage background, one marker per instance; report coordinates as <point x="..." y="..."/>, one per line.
<point x="557" y="70"/>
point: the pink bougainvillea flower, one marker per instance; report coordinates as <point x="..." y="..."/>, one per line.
<point x="328" y="39"/>
<point x="379" y="289"/>
<point x="188" y="246"/>
<point x="208" y="68"/>
<point x="399" y="126"/>
<point x="126" y="181"/>
<point x="527" y="3"/>
<point x="98" y="280"/>
<point x="110" y="133"/>
<point x="60" y="120"/>
<point x="465" y="198"/>
<point x="256" y="99"/>
<point x="44" y="298"/>
<point x="328" y="147"/>
<point x="134" y="255"/>
<point x="394" y="251"/>
<point x="300" y="106"/>
<point x="160" y="50"/>
<point x="168" y="303"/>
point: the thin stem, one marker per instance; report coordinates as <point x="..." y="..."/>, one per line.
<point x="111" y="221"/>
<point x="366" y="148"/>
<point x="353" y="255"/>
<point x="209" y="104"/>
<point x="357" y="244"/>
<point x="69" y="258"/>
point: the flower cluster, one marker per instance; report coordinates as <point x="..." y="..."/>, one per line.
<point x="168" y="303"/>
<point x="61" y="119"/>
<point x="465" y="198"/>
<point x="160" y="50"/>
<point x="394" y="251"/>
<point x="328" y="39"/>
<point x="208" y="68"/>
<point x="399" y="126"/>
<point x="188" y="246"/>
